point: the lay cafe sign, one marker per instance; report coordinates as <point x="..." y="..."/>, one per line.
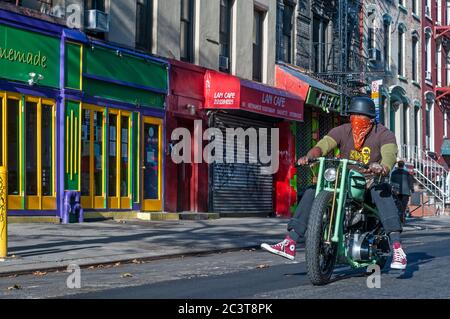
<point x="224" y="91"/>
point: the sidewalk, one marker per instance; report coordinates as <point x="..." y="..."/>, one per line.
<point x="34" y="247"/>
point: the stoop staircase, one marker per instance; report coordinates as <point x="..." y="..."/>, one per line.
<point x="430" y="175"/>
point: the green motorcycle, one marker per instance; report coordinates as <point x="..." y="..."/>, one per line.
<point x="343" y="228"/>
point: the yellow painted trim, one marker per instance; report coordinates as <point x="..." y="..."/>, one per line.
<point x="53" y="106"/>
<point x="3" y="119"/>
<point x="78" y="155"/>
<point x="71" y="145"/>
<point x="138" y="159"/>
<point x="151" y="204"/>
<point x="39" y="152"/>
<point x="67" y="143"/>
<point x="91" y="158"/>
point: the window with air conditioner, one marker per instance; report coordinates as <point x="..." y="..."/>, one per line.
<point x="96" y="18"/>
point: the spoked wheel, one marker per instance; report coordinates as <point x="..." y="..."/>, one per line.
<point x="320" y="256"/>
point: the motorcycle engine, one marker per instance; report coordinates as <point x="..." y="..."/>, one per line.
<point x="365" y="246"/>
<point x="360" y="246"/>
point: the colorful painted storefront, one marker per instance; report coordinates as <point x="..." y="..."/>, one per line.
<point x="114" y="103"/>
<point x="78" y="115"/>
<point x="29" y="103"/>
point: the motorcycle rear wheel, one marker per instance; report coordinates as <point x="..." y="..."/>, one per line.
<point x="320" y="257"/>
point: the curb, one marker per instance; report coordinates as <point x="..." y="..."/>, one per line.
<point x="125" y="261"/>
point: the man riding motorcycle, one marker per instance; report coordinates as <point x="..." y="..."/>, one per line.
<point x="361" y="140"/>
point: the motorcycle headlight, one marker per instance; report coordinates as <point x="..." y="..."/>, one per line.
<point x="330" y="175"/>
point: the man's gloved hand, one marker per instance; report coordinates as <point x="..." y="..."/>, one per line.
<point x="303" y="161"/>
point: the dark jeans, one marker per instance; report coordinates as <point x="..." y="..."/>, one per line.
<point x="402" y="204"/>
<point x="380" y="195"/>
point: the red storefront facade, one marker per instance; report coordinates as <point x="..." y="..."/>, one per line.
<point x="223" y="101"/>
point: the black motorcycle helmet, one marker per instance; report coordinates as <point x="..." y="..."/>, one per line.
<point x="362" y="105"/>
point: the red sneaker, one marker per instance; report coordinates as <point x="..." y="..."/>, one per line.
<point x="285" y="249"/>
<point x="398" y="257"/>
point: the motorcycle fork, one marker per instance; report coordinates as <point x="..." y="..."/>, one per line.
<point x="328" y="240"/>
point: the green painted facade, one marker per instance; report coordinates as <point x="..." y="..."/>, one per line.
<point x="72" y="141"/>
<point x="23" y="52"/>
<point x="118" y="76"/>
<point x="73" y="66"/>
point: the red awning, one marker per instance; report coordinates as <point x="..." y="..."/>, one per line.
<point x="223" y="91"/>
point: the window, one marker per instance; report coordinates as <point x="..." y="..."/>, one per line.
<point x="401" y="53"/>
<point x="258" y="21"/>
<point x="428" y="8"/>
<point x="371" y="38"/>
<point x="387" y="45"/>
<point x="428" y="55"/>
<point x="29" y="139"/>
<point x="319" y="43"/>
<point x="415" y="7"/>
<point x="439" y="63"/>
<point x="415" y="60"/>
<point x="286" y="30"/>
<point x="13" y="132"/>
<point x="448" y="13"/>
<point x="439" y="12"/>
<point x="186" y="30"/>
<point x="94" y="5"/>
<point x="144" y="13"/>
<point x="225" y="35"/>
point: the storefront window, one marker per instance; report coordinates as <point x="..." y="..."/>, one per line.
<point x="85" y="151"/>
<point x="98" y="153"/>
<point x="31" y="148"/>
<point x="13" y="146"/>
<point x="124" y="156"/>
<point x="112" y="167"/>
<point x="47" y="150"/>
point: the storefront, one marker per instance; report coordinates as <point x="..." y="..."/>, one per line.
<point x="113" y="126"/>
<point x="29" y="104"/>
<point x="186" y="187"/>
<point x="322" y="113"/>
<point x="250" y="186"/>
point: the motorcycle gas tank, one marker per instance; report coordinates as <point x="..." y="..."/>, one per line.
<point x="357" y="185"/>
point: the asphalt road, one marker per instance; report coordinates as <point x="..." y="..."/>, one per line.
<point x="247" y="274"/>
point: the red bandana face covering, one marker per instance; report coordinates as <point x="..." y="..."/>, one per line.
<point x="361" y="126"/>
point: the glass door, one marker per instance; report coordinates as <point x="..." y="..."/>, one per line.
<point x="152" y="164"/>
<point x="92" y="160"/>
<point x="119" y="166"/>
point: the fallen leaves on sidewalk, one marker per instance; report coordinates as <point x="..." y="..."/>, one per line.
<point x="117" y="264"/>
<point x="127" y="275"/>
<point x="15" y="287"/>
<point x="39" y="273"/>
<point x="135" y="261"/>
<point x="262" y="266"/>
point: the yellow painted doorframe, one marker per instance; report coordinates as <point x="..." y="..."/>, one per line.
<point x="36" y="202"/>
<point x="153" y="204"/>
<point x="119" y="202"/>
<point x="96" y="202"/>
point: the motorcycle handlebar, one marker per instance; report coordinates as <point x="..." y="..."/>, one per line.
<point x="351" y="162"/>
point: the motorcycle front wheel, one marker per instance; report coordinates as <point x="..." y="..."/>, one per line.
<point x="320" y="256"/>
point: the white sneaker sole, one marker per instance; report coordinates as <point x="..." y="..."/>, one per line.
<point x="398" y="266"/>
<point x="276" y="252"/>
